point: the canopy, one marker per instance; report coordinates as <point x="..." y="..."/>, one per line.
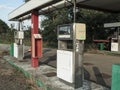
<point x="104" y="5"/>
<point x="50" y="5"/>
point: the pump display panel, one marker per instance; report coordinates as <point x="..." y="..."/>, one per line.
<point x="65" y="32"/>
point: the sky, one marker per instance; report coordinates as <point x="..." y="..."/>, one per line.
<point x="6" y="6"/>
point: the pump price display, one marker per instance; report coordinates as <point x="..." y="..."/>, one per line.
<point x="64" y="31"/>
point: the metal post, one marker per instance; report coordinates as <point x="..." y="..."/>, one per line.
<point x="20" y="29"/>
<point x="19" y="25"/>
<point x="74" y="11"/>
<point x="34" y="30"/>
<point x="78" y="47"/>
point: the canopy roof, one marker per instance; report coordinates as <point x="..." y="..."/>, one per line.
<point x="105" y="5"/>
<point x="46" y="5"/>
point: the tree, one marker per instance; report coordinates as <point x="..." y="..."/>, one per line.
<point x="3" y="27"/>
<point x="93" y="19"/>
<point x="50" y="24"/>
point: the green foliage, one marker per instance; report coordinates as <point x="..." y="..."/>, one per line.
<point x="27" y="39"/>
<point x="50" y="24"/>
<point x="93" y="19"/>
<point x="3" y="27"/>
<point x="6" y="34"/>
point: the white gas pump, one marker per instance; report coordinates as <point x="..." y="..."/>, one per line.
<point x="18" y="45"/>
<point x="115" y="37"/>
<point x="69" y="60"/>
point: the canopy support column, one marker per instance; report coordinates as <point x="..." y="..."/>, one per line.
<point x="34" y="30"/>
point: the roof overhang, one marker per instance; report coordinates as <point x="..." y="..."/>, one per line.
<point x="50" y="5"/>
<point x="41" y="5"/>
<point x="28" y="7"/>
<point x="103" y="5"/>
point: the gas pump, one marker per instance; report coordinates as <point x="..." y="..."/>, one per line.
<point x="115" y="35"/>
<point x="69" y="60"/>
<point x="18" y="45"/>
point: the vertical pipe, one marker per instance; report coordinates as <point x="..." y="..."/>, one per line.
<point x="20" y="29"/>
<point x="74" y="11"/>
<point x="18" y="25"/>
<point x="78" y="56"/>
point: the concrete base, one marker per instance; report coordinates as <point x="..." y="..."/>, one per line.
<point x="45" y="76"/>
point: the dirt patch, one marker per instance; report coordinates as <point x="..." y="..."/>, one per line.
<point x="11" y="79"/>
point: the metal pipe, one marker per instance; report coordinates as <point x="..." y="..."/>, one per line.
<point x="74" y="11"/>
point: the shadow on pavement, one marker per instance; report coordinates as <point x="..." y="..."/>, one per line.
<point x="99" y="77"/>
<point x="48" y="60"/>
